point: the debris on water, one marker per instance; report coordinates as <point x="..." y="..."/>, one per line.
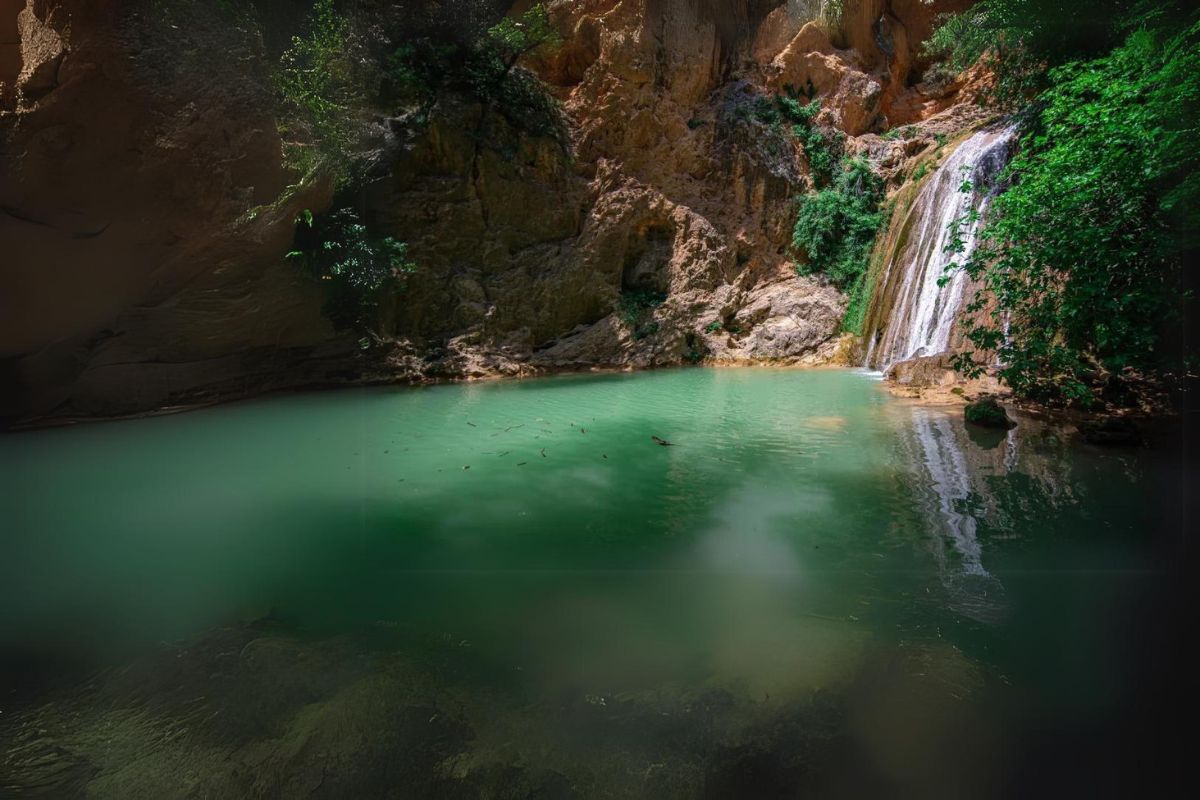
<point x="514" y="427"/>
<point x="662" y="442"/>
<point x="522" y="463"/>
<point x="468" y="466"/>
<point x="543" y="452"/>
<point x="472" y="424"/>
<point x="604" y="455"/>
<point x="506" y="452"/>
<point x="583" y="430"/>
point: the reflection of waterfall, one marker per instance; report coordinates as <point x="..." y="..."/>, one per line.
<point x="922" y="311"/>
<point x="945" y="488"/>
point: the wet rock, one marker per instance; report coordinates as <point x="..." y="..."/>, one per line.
<point x="922" y="372"/>
<point x="987" y="412"/>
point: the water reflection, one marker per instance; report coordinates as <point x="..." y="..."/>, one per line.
<point x="316" y="598"/>
<point x="945" y="486"/>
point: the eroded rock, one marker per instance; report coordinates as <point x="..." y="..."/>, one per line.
<point x="138" y="146"/>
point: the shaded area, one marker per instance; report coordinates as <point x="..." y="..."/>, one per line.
<point x="816" y="589"/>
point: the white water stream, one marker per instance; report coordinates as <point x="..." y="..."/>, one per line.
<point x="924" y="312"/>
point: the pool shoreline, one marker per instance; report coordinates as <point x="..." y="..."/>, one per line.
<point x="60" y="421"/>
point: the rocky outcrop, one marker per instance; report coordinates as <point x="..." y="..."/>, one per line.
<point x="145" y="210"/>
<point x="135" y="275"/>
<point x="669" y="189"/>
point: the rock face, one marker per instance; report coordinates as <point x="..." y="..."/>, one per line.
<point x="143" y="232"/>
<point x="133" y="275"/>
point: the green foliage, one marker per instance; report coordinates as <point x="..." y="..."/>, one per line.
<point x="634" y="307"/>
<point x="713" y="327"/>
<point x="907" y="132"/>
<point x="859" y="298"/>
<point x="995" y="33"/>
<point x="836" y="226"/>
<point x="1018" y="39"/>
<point x="696" y="351"/>
<point x="1083" y="253"/>
<point x="822" y="147"/>
<point x="322" y="96"/>
<point x="483" y="66"/>
<point x="355" y="266"/>
<point x="346" y="70"/>
<point x="988" y="413"/>
<point x="920" y="172"/>
<point x="634" y="303"/>
<point x="512" y="38"/>
<point x="785" y="113"/>
<point x="642" y="331"/>
<point x="765" y="111"/>
<point x="831" y="13"/>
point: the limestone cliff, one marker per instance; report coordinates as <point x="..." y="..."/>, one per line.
<point x="142" y="234"/>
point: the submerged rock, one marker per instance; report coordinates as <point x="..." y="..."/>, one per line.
<point x="1111" y="432"/>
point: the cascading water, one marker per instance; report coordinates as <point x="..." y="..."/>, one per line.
<point x="924" y="310"/>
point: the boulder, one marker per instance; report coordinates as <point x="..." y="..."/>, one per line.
<point x="987" y="412"/>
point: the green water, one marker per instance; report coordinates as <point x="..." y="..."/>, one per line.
<point x="509" y="589"/>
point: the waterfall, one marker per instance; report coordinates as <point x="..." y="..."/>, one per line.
<point x="924" y="312"/>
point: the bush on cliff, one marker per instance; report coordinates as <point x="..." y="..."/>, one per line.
<point x="836" y="228"/>
<point x="1083" y="253"/>
<point x="355" y="266"/>
<point x="353" y="68"/>
<point x="482" y="66"/>
<point x="1019" y="41"/>
<point x="323" y="92"/>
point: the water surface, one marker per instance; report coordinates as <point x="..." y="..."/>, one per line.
<point x="509" y="589"/>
